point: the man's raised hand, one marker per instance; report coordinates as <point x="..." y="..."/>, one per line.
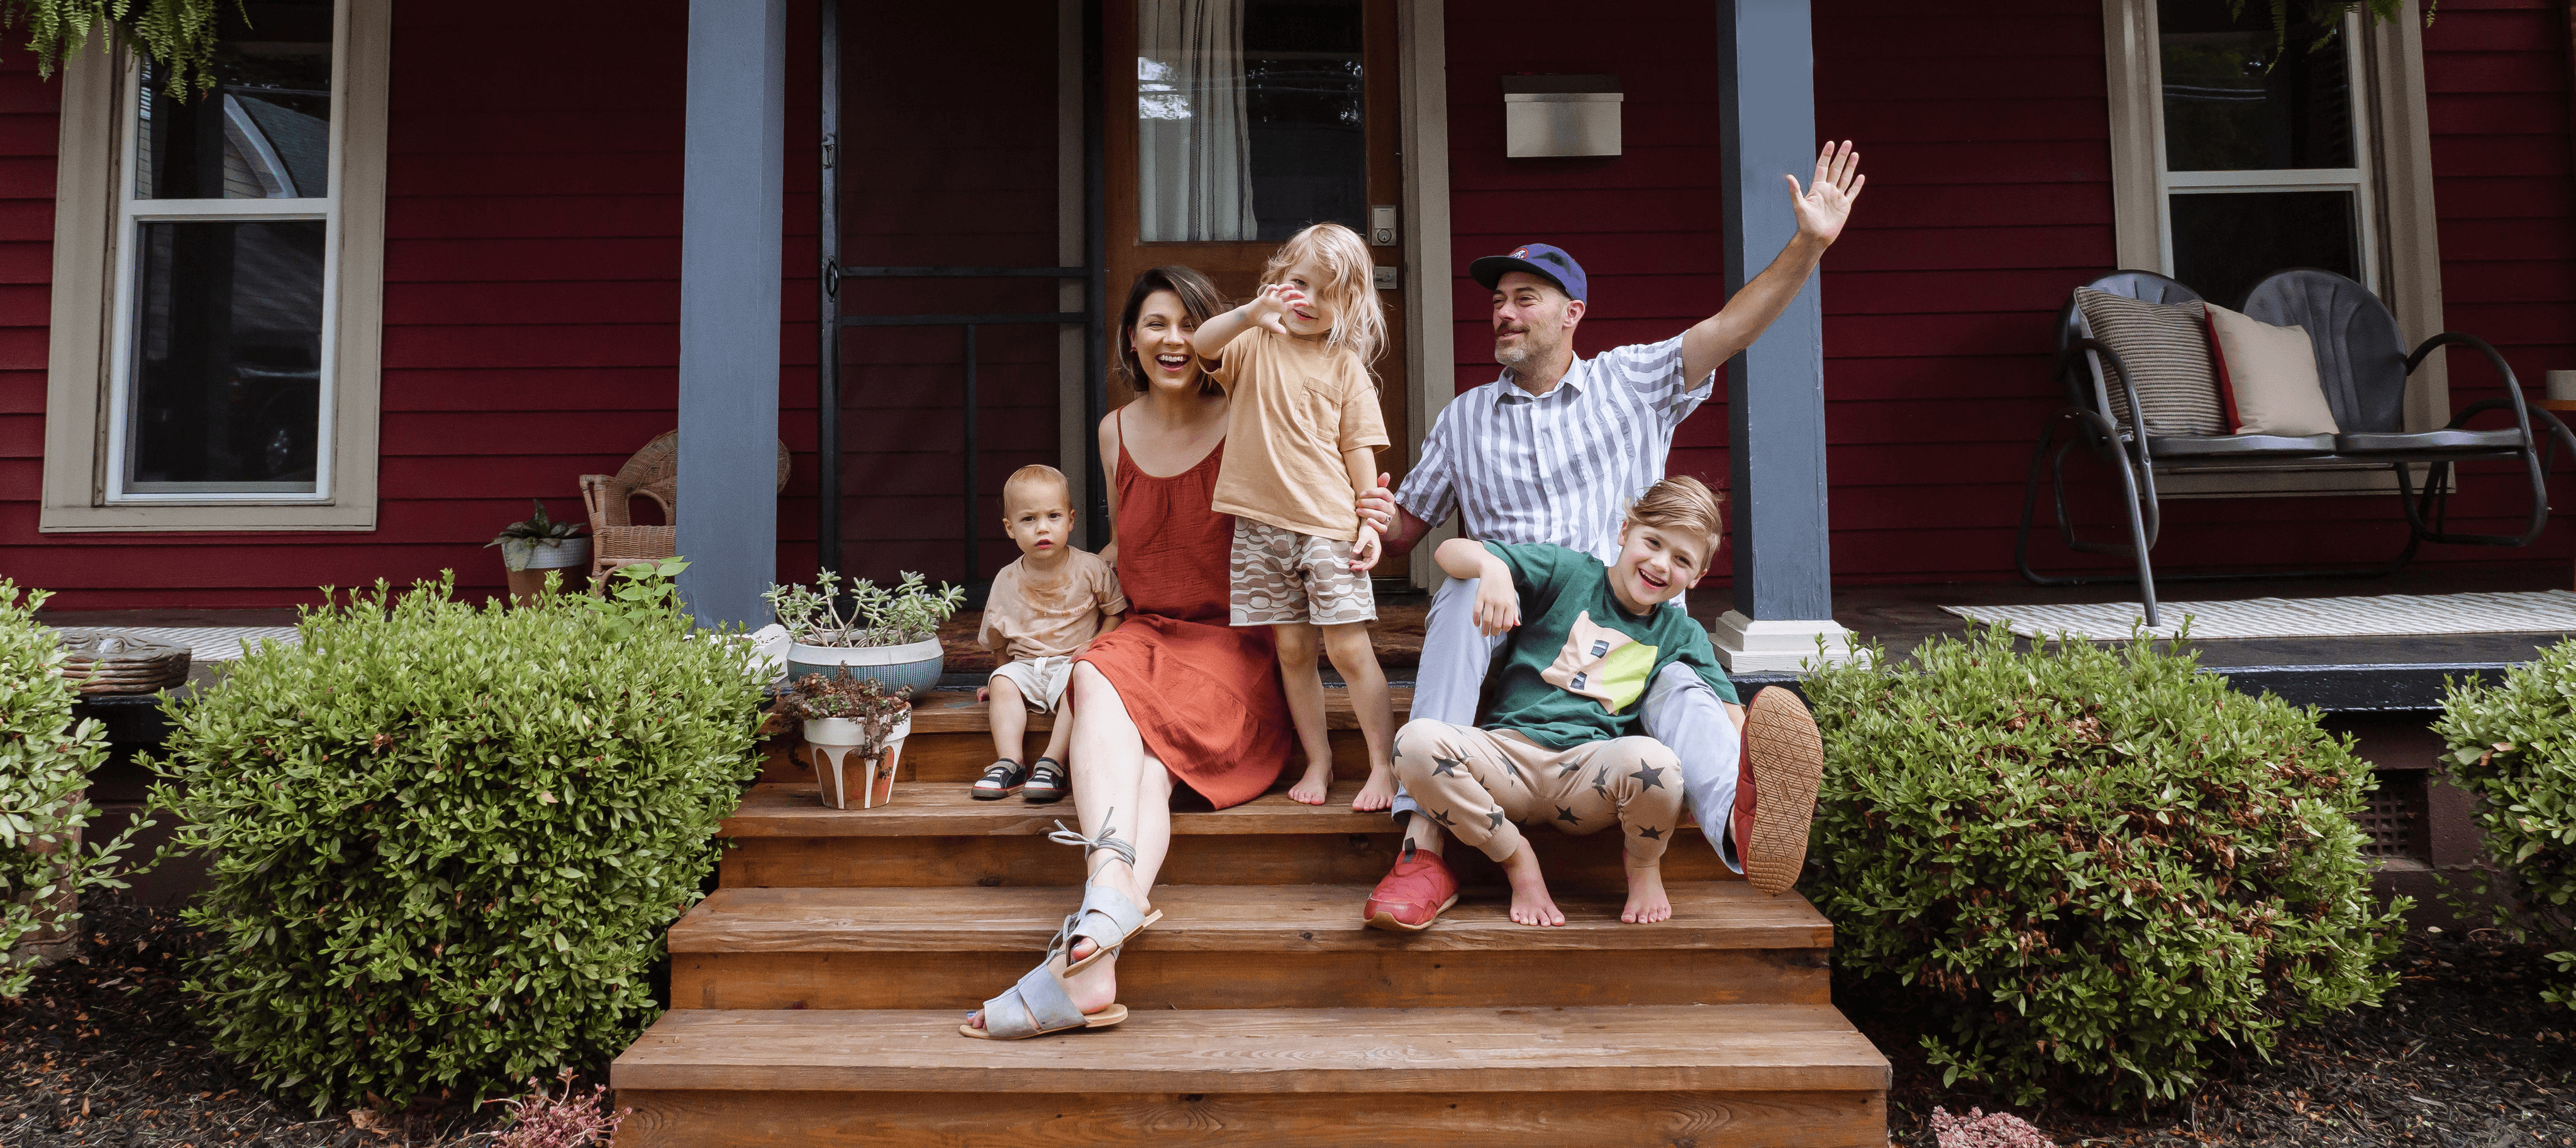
<point x="1826" y="202"/>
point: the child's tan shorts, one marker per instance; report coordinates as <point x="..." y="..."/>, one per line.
<point x="1277" y="576"/>
<point x="1041" y="681"/>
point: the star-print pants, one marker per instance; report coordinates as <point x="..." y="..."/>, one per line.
<point x="1487" y="786"/>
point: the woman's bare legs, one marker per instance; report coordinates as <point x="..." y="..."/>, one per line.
<point x="1116" y="785"/>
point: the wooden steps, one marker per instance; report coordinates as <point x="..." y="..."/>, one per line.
<point x="816" y="994"/>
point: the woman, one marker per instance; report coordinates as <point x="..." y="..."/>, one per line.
<point x="1172" y="699"/>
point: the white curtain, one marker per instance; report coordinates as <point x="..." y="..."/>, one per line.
<point x="1194" y="148"/>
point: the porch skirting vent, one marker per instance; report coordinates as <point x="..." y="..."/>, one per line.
<point x="2386" y="615"/>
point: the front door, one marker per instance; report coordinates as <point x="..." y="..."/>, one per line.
<point x="1233" y="124"/>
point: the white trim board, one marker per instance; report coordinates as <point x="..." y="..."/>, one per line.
<point x="2375" y="616"/>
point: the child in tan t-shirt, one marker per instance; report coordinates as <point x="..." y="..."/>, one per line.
<point x="1301" y="442"/>
<point x="1045" y="607"/>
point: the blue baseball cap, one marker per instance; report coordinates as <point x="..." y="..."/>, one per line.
<point x="1549" y="263"/>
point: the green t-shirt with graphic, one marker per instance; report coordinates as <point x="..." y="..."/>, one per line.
<point x="1578" y="666"/>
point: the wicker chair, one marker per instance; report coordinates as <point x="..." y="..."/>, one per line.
<point x="654" y="472"/>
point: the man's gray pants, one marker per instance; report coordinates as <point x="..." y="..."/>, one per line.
<point x="1680" y="710"/>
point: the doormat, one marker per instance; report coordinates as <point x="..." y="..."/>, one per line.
<point x="208" y="643"/>
<point x="2385" y="615"/>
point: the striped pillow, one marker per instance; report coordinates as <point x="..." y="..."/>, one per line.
<point x="2165" y="347"/>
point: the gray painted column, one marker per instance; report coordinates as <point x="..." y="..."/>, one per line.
<point x="1775" y="392"/>
<point x="730" y="219"/>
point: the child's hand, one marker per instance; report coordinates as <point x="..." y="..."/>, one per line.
<point x="1365" y="552"/>
<point x="983" y="693"/>
<point x="1498" y="605"/>
<point x="1270" y="307"/>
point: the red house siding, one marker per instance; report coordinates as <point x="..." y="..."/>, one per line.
<point x="29" y="129"/>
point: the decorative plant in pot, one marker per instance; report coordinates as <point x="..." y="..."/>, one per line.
<point x="891" y="636"/>
<point x="846" y="716"/>
<point x="540" y="544"/>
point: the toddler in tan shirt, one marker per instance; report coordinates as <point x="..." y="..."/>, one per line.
<point x="1301" y="441"/>
<point x="1044" y="608"/>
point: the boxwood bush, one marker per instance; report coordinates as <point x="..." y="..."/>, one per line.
<point x="2097" y="866"/>
<point x="45" y="761"/>
<point x="445" y="839"/>
<point x="2513" y="746"/>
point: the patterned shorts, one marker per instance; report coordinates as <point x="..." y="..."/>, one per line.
<point x="1283" y="576"/>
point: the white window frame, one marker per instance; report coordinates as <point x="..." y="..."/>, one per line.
<point x="2400" y="253"/>
<point x="97" y="217"/>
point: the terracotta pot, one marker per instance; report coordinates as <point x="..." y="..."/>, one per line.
<point x="52" y="941"/>
<point x="832" y="741"/>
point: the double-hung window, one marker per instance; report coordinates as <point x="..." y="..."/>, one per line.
<point x="217" y="296"/>
<point x="2238" y="151"/>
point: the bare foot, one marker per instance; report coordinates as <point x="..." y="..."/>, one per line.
<point x="1530" y="903"/>
<point x="1379" y="793"/>
<point x="1311" y="788"/>
<point x="1647" y="902"/>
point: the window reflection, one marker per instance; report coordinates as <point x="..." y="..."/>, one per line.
<point x="2223" y="244"/>
<point x="2238" y="97"/>
<point x="264" y="132"/>
<point x="1251" y="118"/>
<point x="227" y="357"/>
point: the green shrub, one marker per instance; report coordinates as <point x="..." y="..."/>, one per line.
<point x="2513" y="746"/>
<point x="2097" y="864"/>
<point x="445" y="840"/>
<point x="45" y="761"/>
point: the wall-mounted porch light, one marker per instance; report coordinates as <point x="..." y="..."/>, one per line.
<point x="1560" y="116"/>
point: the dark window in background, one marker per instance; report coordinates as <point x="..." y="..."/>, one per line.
<point x="2238" y="98"/>
<point x="264" y="132"/>
<point x="2224" y="243"/>
<point x="227" y="358"/>
<point x="1304" y="98"/>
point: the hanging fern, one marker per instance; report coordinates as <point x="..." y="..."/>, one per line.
<point x="179" y="35"/>
<point x="2327" y="14"/>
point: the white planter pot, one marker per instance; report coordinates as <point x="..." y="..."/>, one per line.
<point x="545" y="554"/>
<point x="831" y="741"/>
<point x="916" y="665"/>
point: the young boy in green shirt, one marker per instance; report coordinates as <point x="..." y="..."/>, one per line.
<point x="1563" y="741"/>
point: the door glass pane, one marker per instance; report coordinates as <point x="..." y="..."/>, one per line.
<point x="265" y="130"/>
<point x="227" y="358"/>
<point x="2224" y="242"/>
<point x="1250" y="118"/>
<point x="2239" y="98"/>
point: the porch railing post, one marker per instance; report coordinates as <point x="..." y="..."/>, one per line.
<point x="1775" y="388"/>
<point x="731" y="208"/>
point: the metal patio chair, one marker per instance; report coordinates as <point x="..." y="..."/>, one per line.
<point x="2362" y="365"/>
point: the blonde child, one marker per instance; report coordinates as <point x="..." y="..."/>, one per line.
<point x="1301" y="443"/>
<point x="1045" y="607"/>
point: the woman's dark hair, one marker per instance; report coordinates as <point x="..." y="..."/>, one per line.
<point x="1199" y="302"/>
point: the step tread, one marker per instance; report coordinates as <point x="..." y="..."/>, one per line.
<point x="957" y="711"/>
<point x="1250" y="918"/>
<point x="945" y="809"/>
<point x="1628" y="1049"/>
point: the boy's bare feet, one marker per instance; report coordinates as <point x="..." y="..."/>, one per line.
<point x="1530" y="903"/>
<point x="1311" y="788"/>
<point x="1379" y="793"/>
<point x="1647" y="901"/>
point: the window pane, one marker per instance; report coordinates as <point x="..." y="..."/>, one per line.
<point x="1250" y="118"/>
<point x="2224" y="242"/>
<point x="265" y="130"/>
<point x="227" y="358"/>
<point x="2238" y="98"/>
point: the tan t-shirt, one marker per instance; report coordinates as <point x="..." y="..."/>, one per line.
<point x="1023" y="620"/>
<point x="1296" y="407"/>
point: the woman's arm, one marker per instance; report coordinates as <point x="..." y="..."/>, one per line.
<point x="1109" y="490"/>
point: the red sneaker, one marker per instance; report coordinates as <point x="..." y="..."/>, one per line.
<point x="1414" y="893"/>
<point x="1775" y="789"/>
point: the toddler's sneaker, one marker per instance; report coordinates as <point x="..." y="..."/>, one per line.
<point x="1001" y="779"/>
<point x="1413" y="894"/>
<point x="1775" y="794"/>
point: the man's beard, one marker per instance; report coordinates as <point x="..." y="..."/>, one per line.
<point x="1524" y="353"/>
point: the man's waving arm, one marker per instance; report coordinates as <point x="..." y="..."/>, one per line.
<point x="1822" y="209"/>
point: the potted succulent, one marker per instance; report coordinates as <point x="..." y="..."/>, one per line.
<point x="530" y="548"/>
<point x="844" y="716"/>
<point x="891" y="636"/>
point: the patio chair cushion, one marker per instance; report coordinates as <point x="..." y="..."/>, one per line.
<point x="2369" y="442"/>
<point x="2267" y="376"/>
<point x="2165" y="347"/>
<point x="2239" y="445"/>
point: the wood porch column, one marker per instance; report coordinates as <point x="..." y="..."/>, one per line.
<point x="1775" y="390"/>
<point x="730" y="217"/>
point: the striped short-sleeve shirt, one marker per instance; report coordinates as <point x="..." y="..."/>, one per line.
<point x="1560" y="467"/>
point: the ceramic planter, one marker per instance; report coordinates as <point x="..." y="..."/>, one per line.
<point x="832" y="741"/>
<point x="916" y="665"/>
<point x="528" y="560"/>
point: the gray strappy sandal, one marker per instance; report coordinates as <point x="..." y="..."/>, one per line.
<point x="1038" y="1006"/>
<point x="1108" y="918"/>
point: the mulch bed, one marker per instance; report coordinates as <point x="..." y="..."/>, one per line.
<point x="2463" y="1054"/>
<point x="100" y="1052"/>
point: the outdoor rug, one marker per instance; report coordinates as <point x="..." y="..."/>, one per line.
<point x="208" y="643"/>
<point x="2386" y="615"/>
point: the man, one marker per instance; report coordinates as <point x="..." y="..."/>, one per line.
<point x="1553" y="452"/>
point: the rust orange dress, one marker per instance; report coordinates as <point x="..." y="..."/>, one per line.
<point x="1204" y="694"/>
